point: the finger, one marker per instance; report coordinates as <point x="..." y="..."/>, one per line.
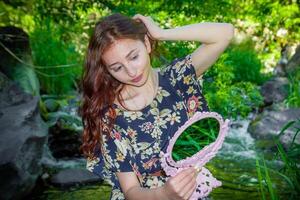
<point x="184" y="188"/>
<point x="190" y="186"/>
<point x="183" y="174"/>
<point x="137" y="16"/>
<point x="150" y="36"/>
<point x="188" y="176"/>
<point x="189" y="193"/>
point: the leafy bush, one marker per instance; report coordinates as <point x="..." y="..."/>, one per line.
<point x="57" y="61"/>
<point x="234" y="100"/>
<point x="231" y="87"/>
<point x="245" y="63"/>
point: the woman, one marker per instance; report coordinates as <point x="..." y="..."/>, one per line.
<point x="130" y="111"/>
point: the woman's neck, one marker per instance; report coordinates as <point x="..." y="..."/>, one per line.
<point x="139" y="97"/>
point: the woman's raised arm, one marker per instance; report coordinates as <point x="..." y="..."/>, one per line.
<point x="215" y="37"/>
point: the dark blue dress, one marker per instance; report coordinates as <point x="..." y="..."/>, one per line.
<point x="138" y="137"/>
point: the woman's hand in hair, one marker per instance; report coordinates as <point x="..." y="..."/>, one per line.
<point x="154" y="31"/>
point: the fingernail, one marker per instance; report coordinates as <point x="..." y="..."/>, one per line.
<point x="197" y="169"/>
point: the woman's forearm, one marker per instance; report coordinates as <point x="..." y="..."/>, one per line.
<point x="205" y="32"/>
<point x="137" y="193"/>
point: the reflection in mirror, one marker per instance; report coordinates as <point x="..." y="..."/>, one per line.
<point x="195" y="137"/>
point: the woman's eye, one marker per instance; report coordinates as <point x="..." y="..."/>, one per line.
<point x="134" y="57"/>
<point x="117" y="68"/>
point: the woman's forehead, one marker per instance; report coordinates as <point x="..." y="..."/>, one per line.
<point x="121" y="48"/>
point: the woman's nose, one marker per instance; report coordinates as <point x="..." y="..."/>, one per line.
<point x="131" y="71"/>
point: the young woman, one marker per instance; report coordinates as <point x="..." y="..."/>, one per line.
<point x="130" y="110"/>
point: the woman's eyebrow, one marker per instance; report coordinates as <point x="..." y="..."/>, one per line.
<point x="126" y="56"/>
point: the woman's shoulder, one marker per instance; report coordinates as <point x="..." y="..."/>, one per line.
<point x="177" y="65"/>
<point x="179" y="71"/>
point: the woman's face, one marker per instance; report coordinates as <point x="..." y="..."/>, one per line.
<point x="128" y="61"/>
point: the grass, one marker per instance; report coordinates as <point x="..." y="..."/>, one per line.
<point x="195" y="138"/>
<point x="293" y="99"/>
<point x="290" y="171"/>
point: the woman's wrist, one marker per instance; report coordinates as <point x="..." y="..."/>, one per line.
<point x="161" y="193"/>
<point x="162" y="35"/>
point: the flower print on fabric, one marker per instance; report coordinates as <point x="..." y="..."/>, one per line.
<point x="161" y="94"/>
<point x="193" y="103"/>
<point x="138" y="137"/>
<point x="173" y="118"/>
<point x="132" y="115"/>
<point x="187" y="83"/>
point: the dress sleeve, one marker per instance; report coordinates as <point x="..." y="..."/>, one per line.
<point x="182" y="76"/>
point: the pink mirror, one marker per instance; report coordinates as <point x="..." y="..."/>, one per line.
<point x="205" y="181"/>
<point x="195" y="137"/>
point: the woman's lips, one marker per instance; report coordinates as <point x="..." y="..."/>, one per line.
<point x="137" y="79"/>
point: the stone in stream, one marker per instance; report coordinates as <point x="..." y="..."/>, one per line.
<point x="275" y="90"/>
<point x="294" y="62"/>
<point x="269" y="123"/>
<point x="74" y="177"/>
<point x="23" y="135"/>
<point x="65" y="126"/>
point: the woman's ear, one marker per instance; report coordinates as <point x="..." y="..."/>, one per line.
<point x="147" y="44"/>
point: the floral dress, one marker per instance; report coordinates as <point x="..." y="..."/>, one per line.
<point x="138" y="137"/>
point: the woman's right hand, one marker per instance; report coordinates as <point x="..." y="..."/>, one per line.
<point x="181" y="186"/>
<point x="153" y="28"/>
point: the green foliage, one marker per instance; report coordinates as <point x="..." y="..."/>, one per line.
<point x="290" y="156"/>
<point x="56" y="110"/>
<point x="87" y="192"/>
<point x="195" y="137"/>
<point x="290" y="171"/>
<point x="231" y="87"/>
<point x="234" y="100"/>
<point x="49" y="53"/>
<point x="22" y="17"/>
<point x="293" y="99"/>
<point x="264" y="179"/>
<point x="245" y="63"/>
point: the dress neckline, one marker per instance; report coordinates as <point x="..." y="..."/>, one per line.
<point x="147" y="106"/>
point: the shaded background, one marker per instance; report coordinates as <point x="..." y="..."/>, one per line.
<point x="255" y="83"/>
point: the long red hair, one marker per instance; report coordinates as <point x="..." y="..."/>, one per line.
<point x="99" y="88"/>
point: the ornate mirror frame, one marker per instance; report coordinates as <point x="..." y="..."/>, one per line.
<point x="205" y="181"/>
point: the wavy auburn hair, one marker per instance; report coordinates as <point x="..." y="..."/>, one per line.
<point x="99" y="88"/>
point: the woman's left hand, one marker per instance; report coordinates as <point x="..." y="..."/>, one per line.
<point x="153" y="29"/>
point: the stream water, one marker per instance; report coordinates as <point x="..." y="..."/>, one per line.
<point x="234" y="165"/>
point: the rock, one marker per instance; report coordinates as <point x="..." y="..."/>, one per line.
<point x="49" y="162"/>
<point x="17" y="63"/>
<point x="72" y="177"/>
<point x="275" y="90"/>
<point x="294" y="62"/>
<point x="65" y="130"/>
<point x="51" y="105"/>
<point x="285" y="65"/>
<point x="22" y="139"/>
<point x="269" y="124"/>
<point x="64" y="143"/>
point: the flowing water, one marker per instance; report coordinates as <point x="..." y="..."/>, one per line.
<point x="234" y="165"/>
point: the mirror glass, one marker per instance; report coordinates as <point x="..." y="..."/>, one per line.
<point x="195" y="137"/>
